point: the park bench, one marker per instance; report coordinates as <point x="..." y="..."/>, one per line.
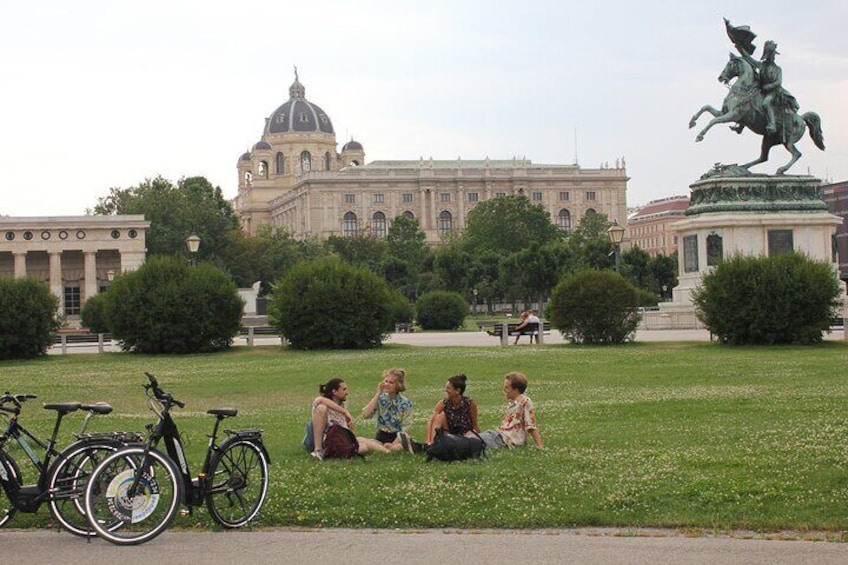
<point x="512" y="331"/>
<point x="405" y="327"/>
<point x="80" y="338"/>
<point x="251" y="332"/>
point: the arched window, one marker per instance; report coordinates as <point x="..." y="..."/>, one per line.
<point x="349" y="227"/>
<point x="327" y="161"/>
<point x="445" y="223"/>
<point x="378" y="225"/>
<point x="280" y="164"/>
<point x="409" y="214"/>
<point x="564" y="220"/>
<point x="591" y="212"/>
<point x="305" y="161"/>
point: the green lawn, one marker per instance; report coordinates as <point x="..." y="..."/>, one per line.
<point x="642" y="435"/>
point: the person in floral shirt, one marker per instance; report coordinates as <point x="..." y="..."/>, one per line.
<point x="393" y="411"/>
<point x="519" y="420"/>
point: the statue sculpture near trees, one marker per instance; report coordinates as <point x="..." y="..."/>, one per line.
<point x="758" y="101"/>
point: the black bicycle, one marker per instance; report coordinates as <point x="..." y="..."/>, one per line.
<point x="61" y="475"/>
<point x="143" y="488"/>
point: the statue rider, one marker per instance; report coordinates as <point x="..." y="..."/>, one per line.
<point x="775" y="97"/>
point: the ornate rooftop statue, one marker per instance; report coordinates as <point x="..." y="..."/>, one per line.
<point x="758" y="101"/>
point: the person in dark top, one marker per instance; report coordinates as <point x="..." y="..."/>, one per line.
<point x="455" y="413"/>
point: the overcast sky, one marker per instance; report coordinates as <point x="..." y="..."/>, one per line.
<point x="105" y="94"/>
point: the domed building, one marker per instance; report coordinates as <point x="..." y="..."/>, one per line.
<point x="295" y="179"/>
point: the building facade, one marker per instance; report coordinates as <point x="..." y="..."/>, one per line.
<point x="293" y="178"/>
<point x="650" y="228"/>
<point x="77" y="256"/>
<point x="836" y="197"/>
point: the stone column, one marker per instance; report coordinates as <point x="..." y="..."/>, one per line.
<point x="56" y="274"/>
<point x="20" y="265"/>
<point x="90" y="289"/>
<point x="422" y="196"/>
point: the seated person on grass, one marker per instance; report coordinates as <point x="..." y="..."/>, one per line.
<point x="519" y="420"/>
<point x="455" y="413"/>
<point x="329" y="408"/>
<point x="393" y="411"/>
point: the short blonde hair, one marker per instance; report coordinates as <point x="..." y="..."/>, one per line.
<point x="518" y="381"/>
<point x="400" y="377"/>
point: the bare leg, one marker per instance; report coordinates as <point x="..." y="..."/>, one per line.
<point x="438" y="421"/>
<point x="368" y="444"/>
<point x="319" y="422"/>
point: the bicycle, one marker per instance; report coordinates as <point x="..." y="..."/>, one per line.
<point x="142" y="488"/>
<point x="60" y="483"/>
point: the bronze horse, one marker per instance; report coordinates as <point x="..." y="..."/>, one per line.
<point x="744" y="105"/>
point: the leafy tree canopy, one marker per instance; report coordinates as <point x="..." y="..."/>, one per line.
<point x="507" y="224"/>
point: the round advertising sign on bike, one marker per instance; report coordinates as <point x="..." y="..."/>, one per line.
<point x="132" y="509"/>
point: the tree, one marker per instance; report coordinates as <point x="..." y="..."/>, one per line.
<point x="507" y="224"/>
<point x="168" y="307"/>
<point x="29" y="320"/>
<point x="331" y="304"/>
<point x="175" y="212"/>
<point x="789" y="298"/>
<point x="451" y="266"/>
<point x="590" y="244"/>
<point x="265" y="257"/>
<point x="361" y="250"/>
<point x="664" y="271"/>
<point x="595" y="307"/>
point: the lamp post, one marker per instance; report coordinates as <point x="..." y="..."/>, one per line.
<point x="110" y="275"/>
<point x="474" y="292"/>
<point x="616" y="235"/>
<point x="193" y="244"/>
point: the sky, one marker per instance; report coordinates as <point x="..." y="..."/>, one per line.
<point x="103" y="94"/>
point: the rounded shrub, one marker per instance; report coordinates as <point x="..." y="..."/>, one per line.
<point x="330" y="304"/>
<point x="440" y="310"/>
<point x="168" y="307"/>
<point x="30" y="317"/>
<point x="788" y="298"/>
<point x="595" y="307"/>
<point x="93" y="314"/>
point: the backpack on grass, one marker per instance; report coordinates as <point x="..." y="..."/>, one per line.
<point x="340" y="443"/>
<point x="451" y="447"/>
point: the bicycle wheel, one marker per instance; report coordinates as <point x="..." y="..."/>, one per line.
<point x="9" y="471"/>
<point x="237" y="482"/>
<point x="143" y="515"/>
<point x="67" y="481"/>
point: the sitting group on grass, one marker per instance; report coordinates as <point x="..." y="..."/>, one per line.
<point x="455" y="414"/>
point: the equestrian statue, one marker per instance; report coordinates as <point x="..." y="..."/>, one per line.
<point x="758" y="101"/>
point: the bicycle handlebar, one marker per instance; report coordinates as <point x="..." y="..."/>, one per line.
<point x="15" y="399"/>
<point x="159" y="394"/>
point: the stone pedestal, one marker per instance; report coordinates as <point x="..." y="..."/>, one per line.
<point x="732" y="213"/>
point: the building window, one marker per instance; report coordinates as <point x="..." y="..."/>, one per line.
<point x="564" y="220"/>
<point x="350" y="198"/>
<point x="564" y="195"/>
<point x="472" y="197"/>
<point x="72" y="300"/>
<point x="445" y="223"/>
<point x="406" y="197"/>
<point x="327" y="161"/>
<point x="590" y="195"/>
<point x="537" y="196"/>
<point x="349" y="228"/>
<point x="378" y="225"/>
<point x="591" y="212"/>
<point x="378" y="199"/>
<point x="409" y="214"/>
<point x="280" y="164"/>
<point x="444" y="197"/>
<point x="500" y="194"/>
<point x="116" y="234"/>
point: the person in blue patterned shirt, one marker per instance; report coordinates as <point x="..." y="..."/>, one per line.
<point x="393" y="411"/>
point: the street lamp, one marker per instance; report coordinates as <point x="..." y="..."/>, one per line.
<point x="193" y="244"/>
<point x="474" y="292"/>
<point x="110" y="275"/>
<point x="616" y="235"/>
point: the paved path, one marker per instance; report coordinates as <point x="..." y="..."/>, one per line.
<point x="367" y="547"/>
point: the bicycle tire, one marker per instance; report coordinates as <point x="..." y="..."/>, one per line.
<point x="145" y="515"/>
<point x="237" y="482"/>
<point x="67" y="480"/>
<point x="11" y="470"/>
